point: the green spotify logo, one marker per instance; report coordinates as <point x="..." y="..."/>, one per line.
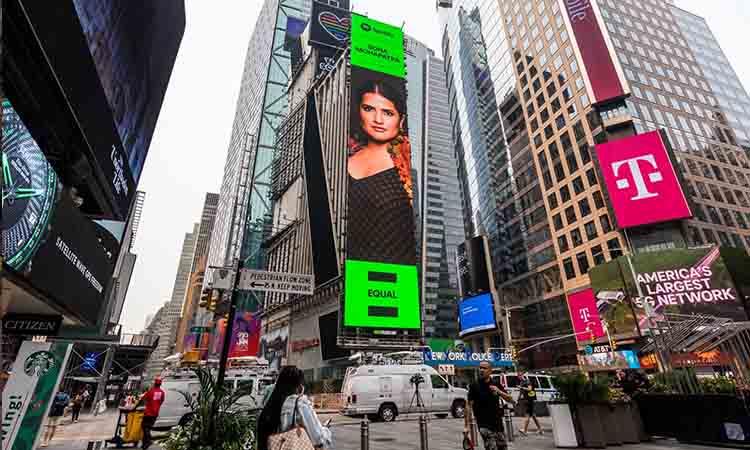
<point x="377" y="46"/>
<point x="379" y="295"/>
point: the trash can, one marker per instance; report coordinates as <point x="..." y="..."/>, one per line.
<point x="133" y="430"/>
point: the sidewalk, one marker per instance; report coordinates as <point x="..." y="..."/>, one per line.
<point x="76" y="436"/>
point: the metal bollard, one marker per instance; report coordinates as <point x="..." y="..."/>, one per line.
<point x="423" y="433"/>
<point x="365" y="435"/>
<point x="509" y="424"/>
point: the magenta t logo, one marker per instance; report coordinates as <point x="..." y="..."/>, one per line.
<point x="642" y="191"/>
<point x="641" y="182"/>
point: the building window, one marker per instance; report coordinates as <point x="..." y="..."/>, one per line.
<point x="583" y="262"/>
<point x="562" y="243"/>
<point x="606" y="225"/>
<point x="570" y="271"/>
<point x="570" y="215"/>
<point x="591" y="233"/>
<point x="564" y="194"/>
<point x="557" y="220"/>
<point x="584" y="207"/>
<point x="598" y="200"/>
<point x="578" y="185"/>
<point x="615" y="250"/>
<point x="552" y="200"/>
<point x="591" y="176"/>
<point x="598" y="254"/>
<point x="576" y="237"/>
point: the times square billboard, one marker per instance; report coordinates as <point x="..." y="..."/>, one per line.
<point x="709" y="281"/>
<point x="381" y="289"/>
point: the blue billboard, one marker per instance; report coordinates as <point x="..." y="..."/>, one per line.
<point x="476" y="314"/>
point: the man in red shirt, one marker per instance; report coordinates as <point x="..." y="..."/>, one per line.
<point x="153" y="398"/>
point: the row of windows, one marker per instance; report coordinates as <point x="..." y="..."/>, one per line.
<point x="596" y="254"/>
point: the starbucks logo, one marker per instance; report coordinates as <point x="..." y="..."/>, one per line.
<point x="39" y="363"/>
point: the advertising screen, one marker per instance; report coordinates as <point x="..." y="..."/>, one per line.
<point x="45" y="238"/>
<point x="476" y="314"/>
<point x="474" y="267"/>
<point x="245" y="335"/>
<point x="680" y="281"/>
<point x="603" y="75"/>
<point x="329" y="25"/>
<point x="641" y="181"/>
<point x="621" y="359"/>
<point x="328" y="325"/>
<point x="381" y="288"/>
<point x="584" y="315"/>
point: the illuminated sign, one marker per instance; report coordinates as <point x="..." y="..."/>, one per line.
<point x="381" y="289"/>
<point x="467" y="359"/>
<point x="584" y="315"/>
<point x="476" y="314"/>
<point x="621" y="359"/>
<point x="641" y="181"/>
<point x="600" y="66"/>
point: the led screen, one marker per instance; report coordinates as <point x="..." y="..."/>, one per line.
<point x="476" y="314"/>
<point x="381" y="285"/>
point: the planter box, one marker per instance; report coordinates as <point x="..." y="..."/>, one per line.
<point x="563" y="429"/>
<point x="612" y="431"/>
<point x="590" y="423"/>
<point x="623" y="417"/>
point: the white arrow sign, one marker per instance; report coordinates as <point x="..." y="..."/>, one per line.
<point x="289" y="283"/>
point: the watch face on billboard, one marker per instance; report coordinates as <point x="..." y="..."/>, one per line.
<point x="29" y="191"/>
<point x="641" y="181"/>
<point x="381" y="284"/>
<point x="476" y="314"/>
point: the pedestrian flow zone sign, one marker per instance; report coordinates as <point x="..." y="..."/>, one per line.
<point x="289" y="283"/>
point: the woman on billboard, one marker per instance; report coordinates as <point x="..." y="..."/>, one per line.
<point x="381" y="217"/>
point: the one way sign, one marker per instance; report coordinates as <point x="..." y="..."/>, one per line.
<point x="289" y="283"/>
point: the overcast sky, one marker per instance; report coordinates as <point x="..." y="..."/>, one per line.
<point x="188" y="151"/>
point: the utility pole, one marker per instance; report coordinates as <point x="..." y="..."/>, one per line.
<point x="230" y="325"/>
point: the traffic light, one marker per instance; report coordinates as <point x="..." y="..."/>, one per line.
<point x="514" y="353"/>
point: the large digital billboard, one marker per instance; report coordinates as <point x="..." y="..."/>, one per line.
<point x="44" y="236"/>
<point x="474" y="267"/>
<point x="476" y="314"/>
<point x="381" y="288"/>
<point x="604" y="77"/>
<point x="679" y="281"/>
<point x="641" y="181"/>
<point x="584" y="315"/>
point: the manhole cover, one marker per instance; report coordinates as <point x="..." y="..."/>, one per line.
<point x="384" y="439"/>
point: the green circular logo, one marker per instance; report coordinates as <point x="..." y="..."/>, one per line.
<point x="39" y="363"/>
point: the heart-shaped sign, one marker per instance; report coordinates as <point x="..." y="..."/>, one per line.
<point x="335" y="26"/>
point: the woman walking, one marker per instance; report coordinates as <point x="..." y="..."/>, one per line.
<point x="289" y="407"/>
<point x="76" y="406"/>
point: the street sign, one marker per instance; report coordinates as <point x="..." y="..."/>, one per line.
<point x="223" y="278"/>
<point x="289" y="283"/>
<point x="446" y="369"/>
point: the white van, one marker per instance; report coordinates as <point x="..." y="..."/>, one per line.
<point x="545" y="390"/>
<point x="176" y="411"/>
<point x="385" y="391"/>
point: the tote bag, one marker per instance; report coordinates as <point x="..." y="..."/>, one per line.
<point x="294" y="439"/>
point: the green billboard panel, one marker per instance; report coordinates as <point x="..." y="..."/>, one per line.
<point x="377" y="46"/>
<point x="381" y="295"/>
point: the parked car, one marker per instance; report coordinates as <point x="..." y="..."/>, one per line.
<point x="386" y="391"/>
<point x="176" y="410"/>
<point x="543" y="386"/>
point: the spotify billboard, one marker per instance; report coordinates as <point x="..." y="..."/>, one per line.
<point x="381" y="290"/>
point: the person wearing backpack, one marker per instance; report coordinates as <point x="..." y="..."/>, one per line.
<point x="528" y="395"/>
<point x="288" y="409"/>
<point x="56" y="411"/>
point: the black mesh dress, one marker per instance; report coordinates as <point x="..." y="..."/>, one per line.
<point x="380" y="226"/>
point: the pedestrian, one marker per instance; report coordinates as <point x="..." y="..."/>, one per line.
<point x="484" y="401"/>
<point x="76" y="406"/>
<point x="528" y="395"/>
<point x="153" y="398"/>
<point x="86" y="396"/>
<point x="289" y="407"/>
<point x="57" y="410"/>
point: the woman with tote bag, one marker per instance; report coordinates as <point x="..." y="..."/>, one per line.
<point x="288" y="420"/>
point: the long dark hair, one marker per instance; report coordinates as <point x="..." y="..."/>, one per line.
<point x="381" y="87"/>
<point x="290" y="380"/>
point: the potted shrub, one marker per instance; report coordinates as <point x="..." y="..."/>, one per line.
<point x="218" y="422"/>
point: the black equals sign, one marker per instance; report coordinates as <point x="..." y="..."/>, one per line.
<point x="382" y="311"/>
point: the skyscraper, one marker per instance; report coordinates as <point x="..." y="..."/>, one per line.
<point x="526" y="118"/>
<point x="170" y="315"/>
<point x="443" y="226"/>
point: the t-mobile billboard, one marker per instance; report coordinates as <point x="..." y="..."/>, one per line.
<point x="677" y="281"/>
<point x="604" y="77"/>
<point x="641" y="181"/>
<point x="584" y="315"/>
